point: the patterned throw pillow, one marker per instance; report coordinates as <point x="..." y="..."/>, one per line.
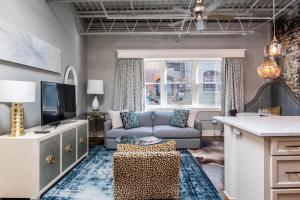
<point x="167" y="146"/>
<point x="274" y="110"/>
<point x="179" y="118"/>
<point x="130" y="120"/>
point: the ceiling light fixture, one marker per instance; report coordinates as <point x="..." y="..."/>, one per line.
<point x="269" y="69"/>
<point x="275" y="46"/>
<point x="199" y="12"/>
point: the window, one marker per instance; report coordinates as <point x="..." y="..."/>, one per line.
<point x="209" y="83"/>
<point x="179" y="82"/>
<point x="152" y="81"/>
<point x="187" y="83"/>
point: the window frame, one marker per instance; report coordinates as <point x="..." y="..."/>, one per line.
<point x="195" y="85"/>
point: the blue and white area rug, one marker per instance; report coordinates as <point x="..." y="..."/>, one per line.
<point x="92" y="179"/>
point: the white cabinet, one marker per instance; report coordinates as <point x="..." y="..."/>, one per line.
<point x="285" y="146"/>
<point x="285" y="172"/>
<point x="230" y="162"/>
<point x="244" y="165"/>
<point x="32" y="163"/>
<point x="261" y="168"/>
<point x="285" y="168"/>
<point x="262" y="157"/>
<point x="285" y="194"/>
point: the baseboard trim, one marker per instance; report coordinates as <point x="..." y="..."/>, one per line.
<point x="211" y="133"/>
<point x="227" y="196"/>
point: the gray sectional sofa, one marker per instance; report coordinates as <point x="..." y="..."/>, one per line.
<point x="154" y="123"/>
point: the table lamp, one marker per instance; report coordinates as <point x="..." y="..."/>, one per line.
<point x="95" y="87"/>
<point x="17" y="93"/>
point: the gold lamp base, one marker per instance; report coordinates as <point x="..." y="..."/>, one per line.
<point x="16" y="120"/>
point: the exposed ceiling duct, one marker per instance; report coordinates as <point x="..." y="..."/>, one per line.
<point x="176" y="17"/>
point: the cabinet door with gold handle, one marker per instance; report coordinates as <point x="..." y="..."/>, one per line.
<point x="50" y="159"/>
<point x="69" y="148"/>
<point x="82" y="143"/>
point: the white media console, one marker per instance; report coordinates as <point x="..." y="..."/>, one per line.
<point x="32" y="163"/>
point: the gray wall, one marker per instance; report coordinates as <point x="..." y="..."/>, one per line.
<point x="101" y="55"/>
<point x="54" y="24"/>
<point x="101" y="58"/>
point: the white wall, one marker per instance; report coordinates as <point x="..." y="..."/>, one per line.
<point x="55" y="25"/>
<point x="101" y="55"/>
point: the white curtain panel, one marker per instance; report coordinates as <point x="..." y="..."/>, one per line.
<point x="233" y="85"/>
<point x="129" y="85"/>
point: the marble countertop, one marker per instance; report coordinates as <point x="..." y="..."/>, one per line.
<point x="265" y="125"/>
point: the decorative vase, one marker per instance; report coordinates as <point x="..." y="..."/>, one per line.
<point x="95" y="104"/>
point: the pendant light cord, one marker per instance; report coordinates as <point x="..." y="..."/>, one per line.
<point x="274" y="17"/>
<point x="269" y="33"/>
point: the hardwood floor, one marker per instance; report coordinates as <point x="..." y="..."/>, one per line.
<point x="96" y="140"/>
<point x="211" y="159"/>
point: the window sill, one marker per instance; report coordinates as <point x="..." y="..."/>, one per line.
<point x="170" y="108"/>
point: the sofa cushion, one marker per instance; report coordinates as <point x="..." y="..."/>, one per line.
<point x="162" y="118"/>
<point x="179" y="118"/>
<point x="167" y="131"/>
<point x="130" y="120"/>
<point x="145" y="118"/>
<point x="141" y="131"/>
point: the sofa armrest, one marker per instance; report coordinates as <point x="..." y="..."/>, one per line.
<point x="107" y="125"/>
<point x="198" y="125"/>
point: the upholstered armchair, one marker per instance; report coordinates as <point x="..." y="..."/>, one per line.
<point x="143" y="173"/>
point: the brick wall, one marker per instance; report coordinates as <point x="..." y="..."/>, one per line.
<point x="288" y="33"/>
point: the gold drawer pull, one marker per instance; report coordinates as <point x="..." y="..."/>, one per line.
<point x="68" y="148"/>
<point x="50" y="159"/>
<point x="82" y="140"/>
<point x="296" y="172"/>
<point x="293" y="146"/>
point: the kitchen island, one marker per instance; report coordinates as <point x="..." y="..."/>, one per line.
<point x="262" y="157"/>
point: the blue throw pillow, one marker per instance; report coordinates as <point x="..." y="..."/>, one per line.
<point x="179" y="118"/>
<point x="130" y="120"/>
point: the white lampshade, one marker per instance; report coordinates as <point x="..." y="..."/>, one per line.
<point x="95" y="87"/>
<point x="17" y="91"/>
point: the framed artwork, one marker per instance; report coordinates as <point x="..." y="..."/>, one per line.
<point x="21" y="47"/>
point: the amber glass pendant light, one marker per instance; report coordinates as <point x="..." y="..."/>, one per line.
<point x="269" y="69"/>
<point x="275" y="46"/>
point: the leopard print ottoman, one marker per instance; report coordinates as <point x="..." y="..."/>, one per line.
<point x="145" y="175"/>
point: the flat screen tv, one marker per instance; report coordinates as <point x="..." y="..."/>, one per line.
<point x="58" y="102"/>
